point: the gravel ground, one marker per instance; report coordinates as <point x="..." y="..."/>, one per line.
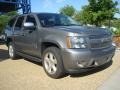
<point x="22" y="74"/>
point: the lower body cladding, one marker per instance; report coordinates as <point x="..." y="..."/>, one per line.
<point x="81" y="60"/>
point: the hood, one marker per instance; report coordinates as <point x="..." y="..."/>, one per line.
<point x="84" y="30"/>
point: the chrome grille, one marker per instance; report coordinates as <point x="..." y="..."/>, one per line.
<point x="100" y="41"/>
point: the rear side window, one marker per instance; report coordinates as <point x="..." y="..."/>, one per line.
<point x="11" y="22"/>
<point x="19" y="23"/>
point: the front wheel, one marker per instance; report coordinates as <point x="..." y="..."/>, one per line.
<point x="52" y="62"/>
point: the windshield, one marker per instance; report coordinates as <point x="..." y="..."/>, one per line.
<point x="48" y="20"/>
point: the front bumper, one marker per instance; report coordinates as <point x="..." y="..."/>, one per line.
<point x="77" y="60"/>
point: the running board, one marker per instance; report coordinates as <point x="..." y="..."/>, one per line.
<point x="29" y="57"/>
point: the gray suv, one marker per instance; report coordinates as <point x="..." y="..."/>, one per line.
<point x="59" y="42"/>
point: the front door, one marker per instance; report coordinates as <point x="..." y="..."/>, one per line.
<point x="30" y="37"/>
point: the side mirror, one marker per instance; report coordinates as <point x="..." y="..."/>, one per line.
<point x="29" y="26"/>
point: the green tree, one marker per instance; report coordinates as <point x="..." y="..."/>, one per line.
<point x="97" y="11"/>
<point x="116" y="23"/>
<point x="68" y="10"/>
<point x="4" y="18"/>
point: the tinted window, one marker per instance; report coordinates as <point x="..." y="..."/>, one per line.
<point x="31" y="18"/>
<point x="19" y="22"/>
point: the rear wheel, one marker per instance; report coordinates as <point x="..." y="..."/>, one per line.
<point x="52" y="62"/>
<point x="11" y="50"/>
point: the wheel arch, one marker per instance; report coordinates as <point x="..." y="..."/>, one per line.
<point x="8" y="41"/>
<point x="48" y="44"/>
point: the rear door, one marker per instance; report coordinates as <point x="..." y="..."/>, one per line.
<point x="18" y="34"/>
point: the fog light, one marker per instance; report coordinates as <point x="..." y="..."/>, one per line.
<point x="81" y="64"/>
<point x="96" y="64"/>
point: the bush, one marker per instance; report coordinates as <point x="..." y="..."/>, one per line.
<point x="116" y="32"/>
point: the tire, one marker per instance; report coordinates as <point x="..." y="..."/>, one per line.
<point x="52" y="63"/>
<point x="11" y="50"/>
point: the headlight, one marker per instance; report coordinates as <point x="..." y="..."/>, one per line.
<point x="76" y="42"/>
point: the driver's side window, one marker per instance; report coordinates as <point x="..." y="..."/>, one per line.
<point x="31" y="19"/>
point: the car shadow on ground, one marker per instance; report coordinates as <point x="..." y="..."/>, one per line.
<point x="3" y="55"/>
<point x="95" y="70"/>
